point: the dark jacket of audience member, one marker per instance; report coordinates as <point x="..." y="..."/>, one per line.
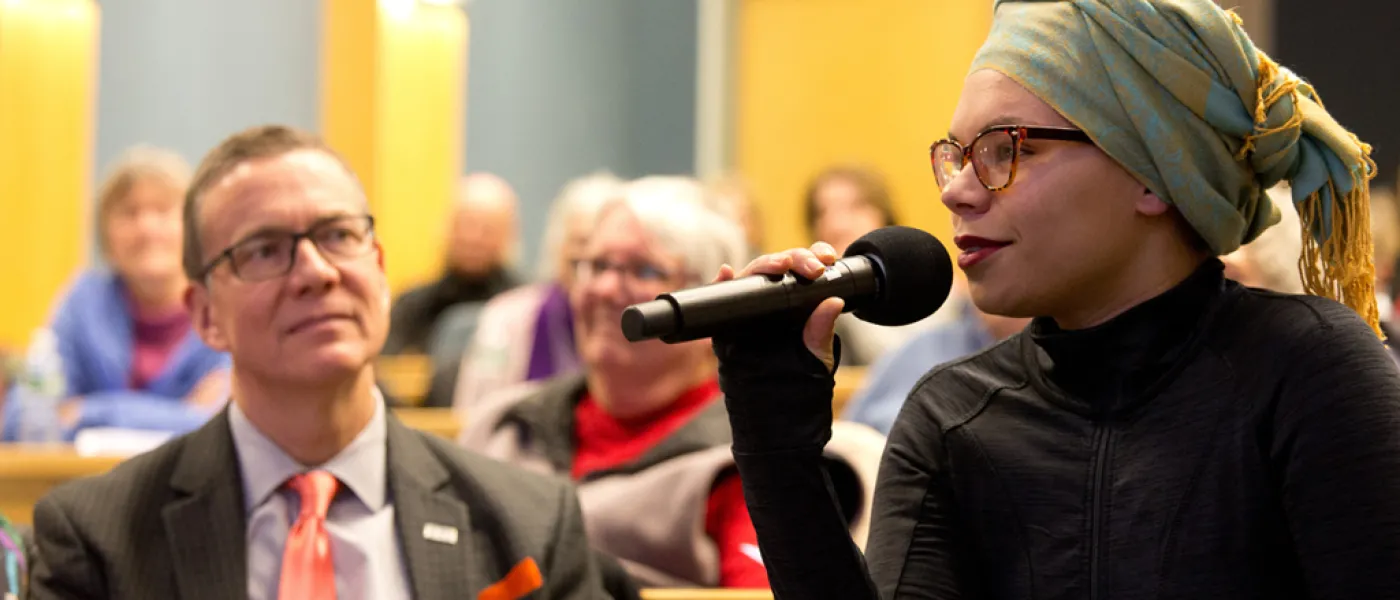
<point x="416" y="313"/>
<point x="183" y="504"/>
<point x="439" y="321"/>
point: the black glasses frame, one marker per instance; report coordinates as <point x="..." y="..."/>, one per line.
<point x="296" y="237"/>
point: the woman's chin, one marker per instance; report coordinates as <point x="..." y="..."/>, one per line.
<point x="997" y="300"/>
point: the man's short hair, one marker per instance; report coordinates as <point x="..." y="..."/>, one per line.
<point x="265" y="141"/>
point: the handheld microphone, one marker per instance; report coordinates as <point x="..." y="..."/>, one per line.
<point x="891" y="276"/>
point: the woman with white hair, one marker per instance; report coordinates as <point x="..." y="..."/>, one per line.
<point x="131" y="356"/>
<point x="642" y="428"/>
<point x="527" y="333"/>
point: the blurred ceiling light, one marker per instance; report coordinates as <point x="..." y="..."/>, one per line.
<point x="398" y="8"/>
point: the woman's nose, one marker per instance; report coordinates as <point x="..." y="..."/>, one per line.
<point x="964" y="195"/>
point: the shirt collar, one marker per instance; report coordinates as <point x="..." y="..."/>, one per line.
<point x="360" y="466"/>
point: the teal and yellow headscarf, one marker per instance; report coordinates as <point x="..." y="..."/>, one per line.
<point x="1175" y="91"/>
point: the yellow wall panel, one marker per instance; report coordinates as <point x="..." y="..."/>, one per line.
<point x="348" y="67"/>
<point x="393" y="103"/>
<point x="48" y="75"/>
<point x="423" y="66"/>
<point x="868" y="81"/>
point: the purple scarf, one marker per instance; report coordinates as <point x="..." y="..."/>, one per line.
<point x="553" y="351"/>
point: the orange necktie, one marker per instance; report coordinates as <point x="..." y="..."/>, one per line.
<point x="307" y="571"/>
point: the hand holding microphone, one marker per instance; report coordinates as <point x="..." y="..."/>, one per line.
<point x="772" y="326"/>
<point x="819" y="332"/>
<point x="890" y="276"/>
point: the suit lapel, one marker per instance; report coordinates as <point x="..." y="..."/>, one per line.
<point x="205" y="523"/>
<point x="433" y="525"/>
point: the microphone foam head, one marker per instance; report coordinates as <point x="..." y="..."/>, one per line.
<point x="917" y="274"/>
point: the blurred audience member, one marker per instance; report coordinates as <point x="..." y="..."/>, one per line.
<point x="440" y="318"/>
<point x="643" y="428"/>
<point x="735" y="192"/>
<point x="1270" y="262"/>
<point x="527" y="333"/>
<point x="1385" y="234"/>
<point x="481" y="234"/>
<point x="843" y="203"/>
<point x="132" y="359"/>
<point x="890" y="380"/>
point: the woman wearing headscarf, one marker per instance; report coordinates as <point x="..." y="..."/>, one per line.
<point x="1158" y="431"/>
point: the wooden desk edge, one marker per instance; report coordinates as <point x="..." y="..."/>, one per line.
<point x="705" y="594"/>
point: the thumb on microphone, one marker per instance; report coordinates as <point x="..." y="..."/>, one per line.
<point x="820" y="331"/>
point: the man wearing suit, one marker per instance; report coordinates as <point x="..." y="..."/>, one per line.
<point x="305" y="487"/>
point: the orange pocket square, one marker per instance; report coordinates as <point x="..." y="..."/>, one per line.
<point x="522" y="579"/>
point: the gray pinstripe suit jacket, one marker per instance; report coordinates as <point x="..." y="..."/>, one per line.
<point x="170" y="524"/>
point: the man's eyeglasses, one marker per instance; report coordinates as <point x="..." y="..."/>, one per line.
<point x="994" y="153"/>
<point x="272" y="254"/>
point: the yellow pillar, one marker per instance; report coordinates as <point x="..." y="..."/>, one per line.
<point x="48" y="75"/>
<point x="823" y="81"/>
<point x="392" y="101"/>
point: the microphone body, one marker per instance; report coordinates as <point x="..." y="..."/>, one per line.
<point x="891" y="276"/>
<point x="706" y="311"/>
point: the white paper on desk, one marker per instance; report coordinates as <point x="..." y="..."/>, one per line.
<point x="114" y="441"/>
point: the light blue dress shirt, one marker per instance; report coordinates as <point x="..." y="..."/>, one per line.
<point x="365" y="547"/>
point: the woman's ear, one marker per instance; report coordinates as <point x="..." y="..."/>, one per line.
<point x="1150" y="204"/>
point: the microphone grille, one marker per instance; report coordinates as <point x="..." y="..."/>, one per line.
<point x="916" y="274"/>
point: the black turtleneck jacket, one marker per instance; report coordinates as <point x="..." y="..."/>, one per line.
<point x="1214" y="442"/>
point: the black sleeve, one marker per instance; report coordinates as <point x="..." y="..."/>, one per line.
<point x="63" y="567"/>
<point x="779" y="401"/>
<point x="916" y="549"/>
<point x="1336" y="447"/>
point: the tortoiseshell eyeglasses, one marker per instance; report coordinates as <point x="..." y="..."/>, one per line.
<point x="994" y="153"/>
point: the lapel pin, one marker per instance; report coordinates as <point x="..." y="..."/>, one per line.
<point x="442" y="534"/>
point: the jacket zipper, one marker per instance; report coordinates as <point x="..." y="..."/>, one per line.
<point x="1103" y="435"/>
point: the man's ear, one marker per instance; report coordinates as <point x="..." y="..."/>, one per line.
<point x="379" y="258"/>
<point x="202" y="313"/>
<point x="1150" y="204"/>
